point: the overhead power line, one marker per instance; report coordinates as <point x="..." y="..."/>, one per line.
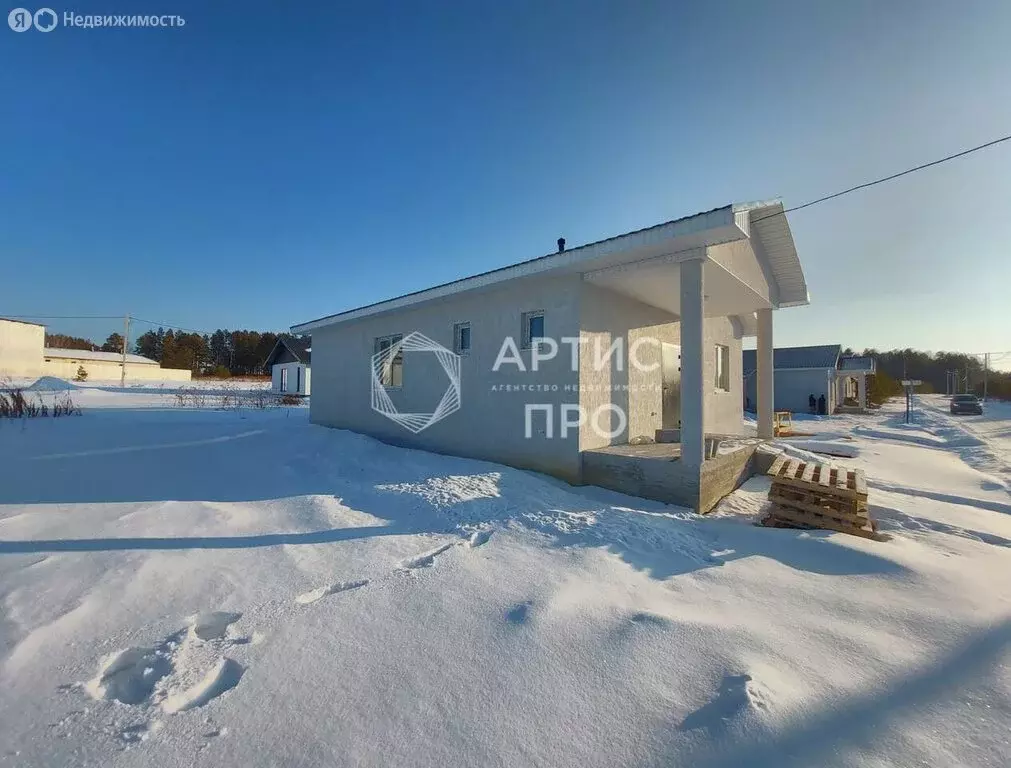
<point x="169" y="325"/>
<point x="883" y="179"/>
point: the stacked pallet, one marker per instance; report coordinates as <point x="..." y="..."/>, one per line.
<point x="810" y="494"/>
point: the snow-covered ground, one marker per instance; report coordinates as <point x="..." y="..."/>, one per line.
<point x="240" y="588"/>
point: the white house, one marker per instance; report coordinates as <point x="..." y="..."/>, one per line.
<point x="562" y="360"/>
<point x="23" y="354"/>
<point x="290" y="364"/>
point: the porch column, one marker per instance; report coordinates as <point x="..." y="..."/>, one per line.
<point x="862" y="390"/>
<point x="692" y="363"/>
<point x="763" y="356"/>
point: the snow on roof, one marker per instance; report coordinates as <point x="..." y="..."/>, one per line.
<point x="84" y="354"/>
<point x="786" y="358"/>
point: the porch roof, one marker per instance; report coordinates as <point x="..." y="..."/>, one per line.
<point x="764" y="222"/>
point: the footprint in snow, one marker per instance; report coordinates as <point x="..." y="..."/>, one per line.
<point x="738" y="697"/>
<point x="212" y="625"/>
<point x="183" y="671"/>
<point x="519" y="613"/>
<point x="320" y="592"/>
<point x="425" y="559"/>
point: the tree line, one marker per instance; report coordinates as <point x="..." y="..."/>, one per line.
<point x="932" y="369"/>
<point x="222" y="353"/>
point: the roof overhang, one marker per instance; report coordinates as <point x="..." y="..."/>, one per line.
<point x="771" y="239"/>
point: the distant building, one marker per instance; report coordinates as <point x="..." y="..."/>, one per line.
<point x="23" y="354"/>
<point x="290" y="365"/>
<point x="21" y="346"/>
<point x="820" y="371"/>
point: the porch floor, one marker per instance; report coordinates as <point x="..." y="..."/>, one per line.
<point x="672" y="451"/>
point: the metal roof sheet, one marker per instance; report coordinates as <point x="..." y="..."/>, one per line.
<point x="787" y="358"/>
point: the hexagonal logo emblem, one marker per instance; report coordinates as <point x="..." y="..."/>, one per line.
<point x="382" y="363"/>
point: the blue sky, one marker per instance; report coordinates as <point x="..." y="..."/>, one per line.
<point x="270" y="163"/>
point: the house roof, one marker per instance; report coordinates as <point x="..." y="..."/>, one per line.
<point x="23" y="322"/>
<point x="299" y="346"/>
<point x="795" y="358"/>
<point x="858" y="363"/>
<point x="84" y="354"/>
<point x="764" y="222"/>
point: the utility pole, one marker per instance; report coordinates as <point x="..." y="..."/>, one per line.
<point x="967" y="375"/>
<point x="126" y="341"/>
<point x="986" y="371"/>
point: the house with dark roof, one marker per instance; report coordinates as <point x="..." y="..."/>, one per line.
<point x="834" y="380"/>
<point x="616" y="363"/>
<point x="290" y="365"/>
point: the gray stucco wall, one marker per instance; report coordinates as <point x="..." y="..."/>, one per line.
<point x="491" y="421"/>
<point x="791" y="389"/>
<point x="724" y="411"/>
<point x="605" y="316"/>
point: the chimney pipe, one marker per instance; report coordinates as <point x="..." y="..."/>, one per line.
<point x="561" y="244"/>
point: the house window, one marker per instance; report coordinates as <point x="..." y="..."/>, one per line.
<point x="390" y="371"/>
<point x="533" y="328"/>
<point x="722" y="368"/>
<point x="461" y="338"/>
<point x="284" y="379"/>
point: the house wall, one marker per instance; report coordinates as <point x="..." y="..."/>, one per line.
<point x="21" y="348"/>
<point x="491" y="421"/>
<point x="107" y="370"/>
<point x="297" y="374"/>
<point x="724" y="410"/>
<point x="636" y="389"/>
<point x="792" y="387"/>
<point x="606" y="315"/>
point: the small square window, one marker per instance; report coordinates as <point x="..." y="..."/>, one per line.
<point x="722" y="368"/>
<point x="533" y="328"/>
<point x="461" y="338"/>
<point x="389" y="370"/>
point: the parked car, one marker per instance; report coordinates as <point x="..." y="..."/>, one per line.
<point x="966" y="404"/>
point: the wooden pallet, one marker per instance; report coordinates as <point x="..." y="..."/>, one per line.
<point x="813" y="494"/>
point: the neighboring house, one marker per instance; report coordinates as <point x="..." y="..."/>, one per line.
<point x="21" y="348"/>
<point x="107" y="366"/>
<point x="290" y="364"/>
<point x="23" y="354"/>
<point x="802" y="372"/>
<point x="851" y="380"/>
<point x="679" y="297"/>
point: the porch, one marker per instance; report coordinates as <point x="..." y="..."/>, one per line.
<point x="656" y="471"/>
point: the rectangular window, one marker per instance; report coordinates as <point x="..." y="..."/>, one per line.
<point x="722" y="368"/>
<point x="284" y="379"/>
<point x="389" y="369"/>
<point x="461" y="338"/>
<point x="533" y="328"/>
